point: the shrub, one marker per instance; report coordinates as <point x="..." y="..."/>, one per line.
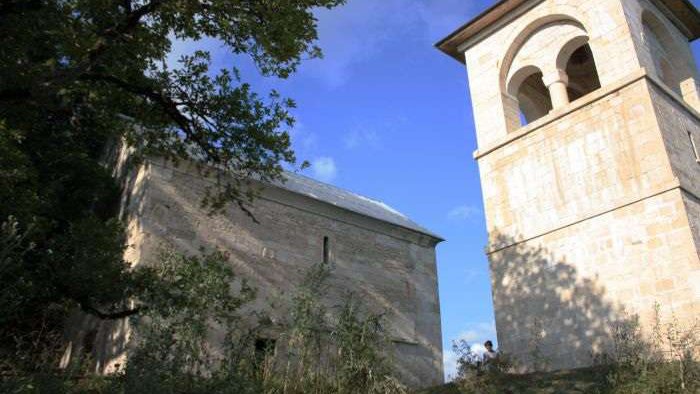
<point x="664" y="363"/>
<point x="348" y="354"/>
<point x="185" y="298"/>
<point x="473" y="376"/>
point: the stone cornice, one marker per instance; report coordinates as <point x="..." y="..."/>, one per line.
<point x="301" y="202"/>
<point x="583" y="102"/>
<point x="682" y="13"/>
<point x="671" y="186"/>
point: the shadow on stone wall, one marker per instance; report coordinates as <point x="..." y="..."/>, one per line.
<point x="548" y="315"/>
<point x="166" y="210"/>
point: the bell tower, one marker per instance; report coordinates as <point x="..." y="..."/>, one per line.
<point x="588" y="131"/>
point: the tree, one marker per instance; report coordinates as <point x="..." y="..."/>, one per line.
<point x="76" y="75"/>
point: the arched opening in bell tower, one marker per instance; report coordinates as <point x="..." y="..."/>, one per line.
<point x="582" y="73"/>
<point x="528" y="89"/>
<point x="536" y="68"/>
<point x="533" y="98"/>
<point x="664" y="59"/>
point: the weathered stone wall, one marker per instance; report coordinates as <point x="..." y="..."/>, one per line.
<point x="680" y="126"/>
<point x="592" y="210"/>
<point x="389" y="268"/>
<point x="663" y="50"/>
<point x="587" y="225"/>
<point x="605" y="154"/>
<point x="676" y="121"/>
<point x="561" y="294"/>
<point x="692" y="206"/>
<point x="108" y="340"/>
<point x="489" y="61"/>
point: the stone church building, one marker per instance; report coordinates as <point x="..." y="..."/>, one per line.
<point x="381" y="256"/>
<point x="588" y="129"/>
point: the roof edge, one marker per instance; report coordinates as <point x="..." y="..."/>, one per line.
<point x="186" y="165"/>
<point x="419" y="230"/>
<point x="683" y="11"/>
<point x="486" y="18"/>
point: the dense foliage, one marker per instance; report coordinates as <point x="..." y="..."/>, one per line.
<point x="194" y="297"/>
<point x="662" y="361"/>
<point x="77" y="75"/>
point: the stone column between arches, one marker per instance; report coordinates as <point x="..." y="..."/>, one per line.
<point x="557" y="83"/>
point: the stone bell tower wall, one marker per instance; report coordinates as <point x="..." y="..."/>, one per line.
<point x="588" y="225"/>
<point x="490" y="54"/>
<point x="592" y="207"/>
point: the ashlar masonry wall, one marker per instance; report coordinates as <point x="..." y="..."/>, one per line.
<point x="588" y="226"/>
<point x="391" y="269"/>
<point x="592" y="210"/>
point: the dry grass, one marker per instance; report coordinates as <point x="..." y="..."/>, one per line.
<point x="588" y="380"/>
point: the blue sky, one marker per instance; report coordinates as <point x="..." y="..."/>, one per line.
<point x="386" y="115"/>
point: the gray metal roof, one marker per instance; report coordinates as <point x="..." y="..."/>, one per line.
<point x="347" y="200"/>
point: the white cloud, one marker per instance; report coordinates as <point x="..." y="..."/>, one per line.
<point x="443" y="17"/>
<point x="324" y="169"/>
<point x="351" y="34"/>
<point x="449" y="362"/>
<point x="471" y="274"/>
<point x="304" y="141"/>
<point x="370" y="133"/>
<point x="478" y="332"/>
<point x="463" y="212"/>
<point x="475" y="335"/>
<point x="221" y="56"/>
<point x="357" y="138"/>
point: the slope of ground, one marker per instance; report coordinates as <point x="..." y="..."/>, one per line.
<point x="576" y="381"/>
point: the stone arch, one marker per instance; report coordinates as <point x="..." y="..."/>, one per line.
<point x="519" y="77"/>
<point x="522" y="36"/>
<point x="526" y="92"/>
<point x="663" y="52"/>
<point x="521" y="56"/>
<point x="577" y="61"/>
<point x="568" y="49"/>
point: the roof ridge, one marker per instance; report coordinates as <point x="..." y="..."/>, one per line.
<point x="332" y="186"/>
<point x="349" y="200"/>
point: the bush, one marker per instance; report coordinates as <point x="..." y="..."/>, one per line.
<point x="185" y="298"/>
<point x="348" y="354"/>
<point x="473" y="376"/>
<point x="664" y="363"/>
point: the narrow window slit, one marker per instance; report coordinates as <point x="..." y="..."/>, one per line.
<point x="326" y="251"/>
<point x="264" y="348"/>
<point x="694" y="146"/>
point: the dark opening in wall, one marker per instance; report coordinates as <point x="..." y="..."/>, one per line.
<point x="533" y="99"/>
<point x="89" y="341"/>
<point x="666" y="60"/>
<point x="694" y="146"/>
<point x="326" y="251"/>
<point x="582" y="73"/>
<point x="264" y="347"/>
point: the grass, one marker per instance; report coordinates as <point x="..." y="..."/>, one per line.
<point x="586" y="380"/>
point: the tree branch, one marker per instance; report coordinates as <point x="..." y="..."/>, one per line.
<point x="112" y="315"/>
<point x="166" y="103"/>
<point x="133" y="17"/>
<point x="8" y="7"/>
<point x="14" y="94"/>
